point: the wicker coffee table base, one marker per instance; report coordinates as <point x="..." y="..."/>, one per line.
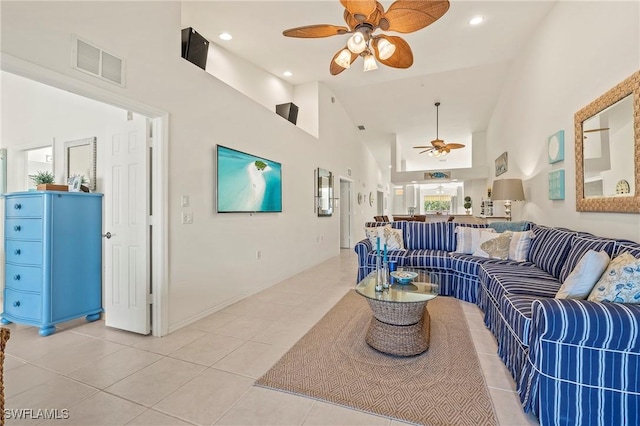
<point x="401" y="340"/>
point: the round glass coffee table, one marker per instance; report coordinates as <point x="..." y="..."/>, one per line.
<point x="400" y="323"/>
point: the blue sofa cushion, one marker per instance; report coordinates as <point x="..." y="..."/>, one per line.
<point x="427" y="259"/>
<point x="429" y="236"/>
<point x="469" y="264"/>
<point x="581" y="244"/>
<point x="513" y="279"/>
<point x="516" y="308"/>
<point x="549" y="248"/>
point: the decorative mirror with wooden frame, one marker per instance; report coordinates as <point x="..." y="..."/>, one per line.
<point x="608" y="150"/>
<point x="324" y="194"/>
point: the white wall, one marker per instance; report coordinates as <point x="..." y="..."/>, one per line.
<point x="212" y="262"/>
<point x="565" y="66"/>
<point x="34" y="114"/>
<point x="305" y="96"/>
<point x="264" y="88"/>
<point x="248" y="79"/>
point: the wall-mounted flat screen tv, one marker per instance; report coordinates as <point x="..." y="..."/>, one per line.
<point x="246" y="183"/>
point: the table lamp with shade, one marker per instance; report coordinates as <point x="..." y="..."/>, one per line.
<point x="508" y="190"/>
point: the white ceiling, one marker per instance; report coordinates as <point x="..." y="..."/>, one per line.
<point x="460" y="65"/>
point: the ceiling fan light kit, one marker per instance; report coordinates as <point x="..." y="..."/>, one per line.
<point x="344" y="58"/>
<point x="385" y="48"/>
<point x="357" y="43"/>
<point x="370" y="63"/>
<point x="363" y="18"/>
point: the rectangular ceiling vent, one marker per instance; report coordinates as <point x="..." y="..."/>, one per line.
<point x="92" y="60"/>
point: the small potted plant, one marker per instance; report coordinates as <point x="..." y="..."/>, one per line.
<point x="467" y="204"/>
<point x="44" y="181"/>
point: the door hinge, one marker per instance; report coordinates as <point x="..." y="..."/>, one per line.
<point x="150" y="299"/>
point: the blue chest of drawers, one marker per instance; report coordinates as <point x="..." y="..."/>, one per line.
<point x="53" y="258"/>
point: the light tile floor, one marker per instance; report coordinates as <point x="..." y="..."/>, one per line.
<point x="203" y="374"/>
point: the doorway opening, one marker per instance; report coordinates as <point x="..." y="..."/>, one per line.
<point x="154" y="156"/>
<point x="346" y="208"/>
<point x="37" y="160"/>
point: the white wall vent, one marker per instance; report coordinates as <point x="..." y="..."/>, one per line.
<point x="92" y="60"/>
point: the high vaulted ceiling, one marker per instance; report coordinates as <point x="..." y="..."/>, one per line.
<point x="460" y="65"/>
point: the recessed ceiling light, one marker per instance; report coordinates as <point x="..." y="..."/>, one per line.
<point x="287" y="73"/>
<point x="476" y="20"/>
<point x="225" y="36"/>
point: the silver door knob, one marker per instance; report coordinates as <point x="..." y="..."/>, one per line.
<point x="107" y="235"/>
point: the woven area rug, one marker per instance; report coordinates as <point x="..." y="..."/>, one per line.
<point x="332" y="362"/>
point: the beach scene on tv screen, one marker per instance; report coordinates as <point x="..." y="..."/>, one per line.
<point x="247" y="183"/>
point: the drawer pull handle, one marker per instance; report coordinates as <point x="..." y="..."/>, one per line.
<point x="16" y="277"/>
<point x="17" y="206"/>
<point x="17" y="228"/>
<point x="16" y="304"/>
<point x="17" y="252"/>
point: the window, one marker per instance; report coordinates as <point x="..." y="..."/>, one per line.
<point x="437" y="203"/>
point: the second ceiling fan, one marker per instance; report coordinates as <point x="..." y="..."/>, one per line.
<point x="363" y="18"/>
<point x="438" y="148"/>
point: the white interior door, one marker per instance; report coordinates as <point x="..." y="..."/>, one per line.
<point x="126" y="210"/>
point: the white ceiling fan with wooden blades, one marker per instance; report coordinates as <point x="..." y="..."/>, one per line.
<point x="363" y="19"/>
<point x="438" y="147"/>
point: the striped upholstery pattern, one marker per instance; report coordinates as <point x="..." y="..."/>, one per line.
<point x="600" y="385"/>
<point x="515" y="312"/>
<point x="427" y="259"/>
<point x="429" y="236"/>
<point x="513" y="279"/>
<point x="579" y="246"/>
<point x="549" y="248"/>
<point x="465" y="287"/>
<point x="469" y="264"/>
<point x="496" y="280"/>
<point x="628" y="247"/>
<point x="362" y="249"/>
<point x="466" y="268"/>
<point x="447" y="282"/>
<point x="516" y="309"/>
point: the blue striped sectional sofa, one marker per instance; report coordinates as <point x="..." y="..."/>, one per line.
<point x="574" y="361"/>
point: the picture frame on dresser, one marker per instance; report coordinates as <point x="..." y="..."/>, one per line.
<point x="75" y="184"/>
